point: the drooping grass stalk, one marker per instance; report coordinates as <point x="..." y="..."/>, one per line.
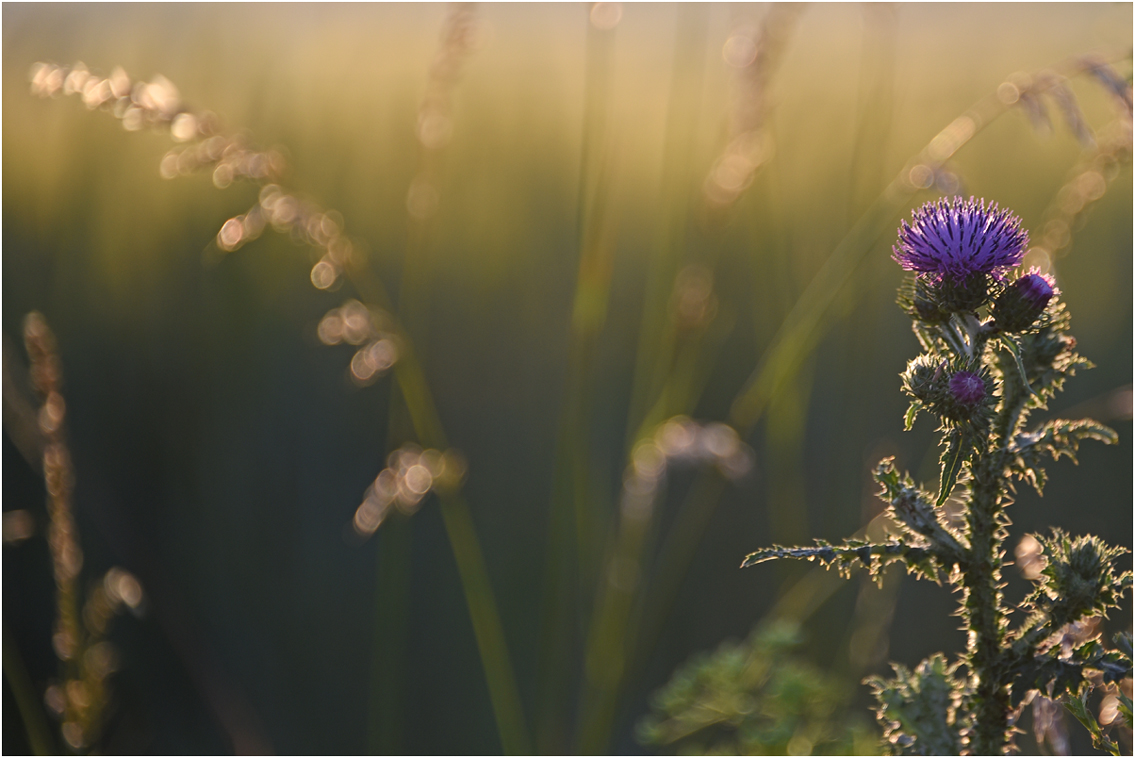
<point x="157" y="105"/>
<point x="571" y="563"/>
<point x="69" y="638"/>
<point x="80" y="697"/>
<point x="434" y="126"/>
<point x="487" y="627"/>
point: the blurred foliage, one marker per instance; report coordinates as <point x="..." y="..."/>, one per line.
<point x="758" y="697"/>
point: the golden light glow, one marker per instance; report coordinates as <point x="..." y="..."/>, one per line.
<point x="54" y="700"/>
<point x="951" y="138"/>
<point x="73" y="733"/>
<point x="410" y="474"/>
<point x="606" y="16"/>
<point x="435" y="129"/>
<point x="324" y="274"/>
<point x="121" y="586"/>
<point x="18" y="526"/>
<point x="1030" y="561"/>
<point x="183" y="127"/>
<point x="921" y="176"/>
<point x="422" y="199"/>
<point x="739" y="50"/>
<point x="230" y="235"/>
<point x="1008" y="93"/>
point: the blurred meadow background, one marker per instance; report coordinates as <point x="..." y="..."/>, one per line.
<point x="590" y="220"/>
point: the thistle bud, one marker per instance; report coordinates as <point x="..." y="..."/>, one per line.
<point x="967" y="388"/>
<point x="924" y="378"/>
<point x="1022" y="302"/>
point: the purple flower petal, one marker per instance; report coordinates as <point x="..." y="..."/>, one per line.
<point x="967" y="388"/>
<point x="959" y="238"/>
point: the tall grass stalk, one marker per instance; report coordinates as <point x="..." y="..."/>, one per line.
<point x="393" y="580"/>
<point x="605" y="646"/>
<point x="571" y="564"/>
<point x="655" y="336"/>
<point x="27" y="701"/>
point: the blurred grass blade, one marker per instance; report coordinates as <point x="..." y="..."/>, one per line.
<point x="571" y="564"/>
<point x="486" y="625"/>
<point x="27" y="702"/>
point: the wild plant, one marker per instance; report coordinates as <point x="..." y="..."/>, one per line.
<point x="600" y="594"/>
<point x="996" y="347"/>
<point x="80" y="696"/>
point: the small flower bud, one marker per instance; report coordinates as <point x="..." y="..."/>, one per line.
<point x="1019" y="306"/>
<point x="967" y="388"/>
<point x="923" y="379"/>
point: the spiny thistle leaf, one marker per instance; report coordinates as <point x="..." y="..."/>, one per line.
<point x="911" y="414"/>
<point x="1059" y="437"/>
<point x="1077" y="705"/>
<point x="1050" y="673"/>
<point x="854" y="553"/>
<point x="1079" y="579"/>
<point x="1049" y="355"/>
<point x="959" y="447"/>
<point x="1014" y="349"/>
<point x="911" y="507"/>
<point x="919" y="709"/>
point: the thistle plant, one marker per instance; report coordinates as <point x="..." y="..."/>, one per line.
<point x="995" y="347"/>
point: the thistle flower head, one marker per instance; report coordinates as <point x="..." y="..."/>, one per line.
<point x="967" y="388"/>
<point x="957" y="239"/>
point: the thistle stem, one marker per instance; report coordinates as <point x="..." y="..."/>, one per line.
<point x="982" y="608"/>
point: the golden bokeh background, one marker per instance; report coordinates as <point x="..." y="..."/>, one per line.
<point x="221" y="451"/>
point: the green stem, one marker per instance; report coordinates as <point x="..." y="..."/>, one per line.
<point x="571" y="565"/>
<point x="1015" y="395"/>
<point x="391" y="611"/>
<point x="487" y="627"/>
<point x="656" y="332"/>
<point x="982" y="608"/>
<point x="981" y="576"/>
<point x="486" y="624"/>
<point x="35" y="725"/>
<point x="608" y="651"/>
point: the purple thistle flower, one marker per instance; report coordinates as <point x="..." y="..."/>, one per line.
<point x="959" y="238"/>
<point x="967" y="388"/>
